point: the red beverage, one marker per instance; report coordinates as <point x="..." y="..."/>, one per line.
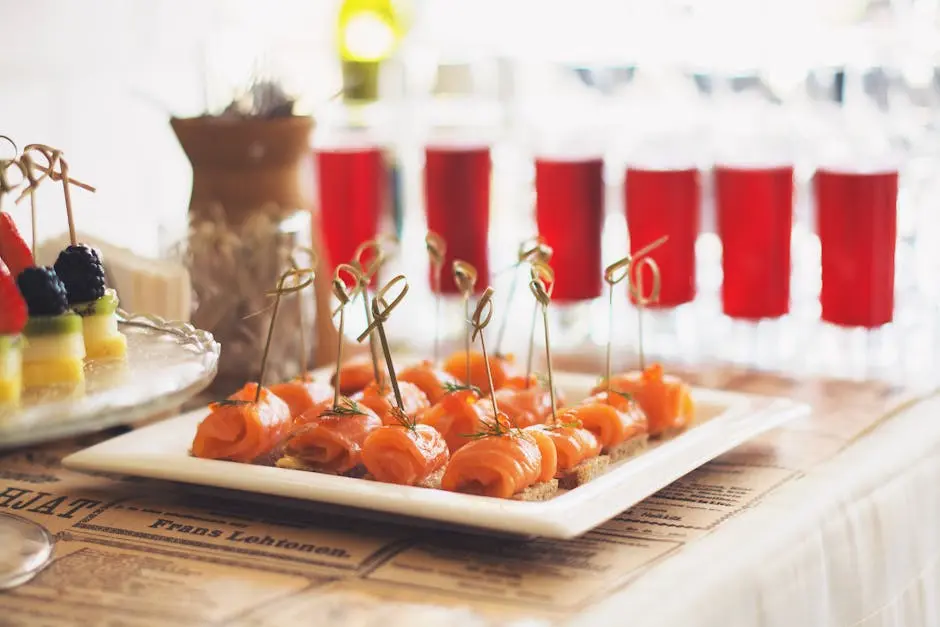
<point x="569" y="207"/>
<point x="755" y="217"/>
<point x="351" y="187"/>
<point x="457" y="200"/>
<point x="666" y="202"/>
<point x="857" y="222"/>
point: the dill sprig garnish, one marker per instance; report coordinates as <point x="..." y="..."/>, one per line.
<point x="602" y="383"/>
<point x="491" y="429"/>
<point x="459" y="387"/>
<point x="408" y="422"/>
<point x="345" y="407"/>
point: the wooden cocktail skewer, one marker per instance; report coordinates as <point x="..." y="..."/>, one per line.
<point x="437" y="249"/>
<point x="368" y="270"/>
<point x="543" y="273"/>
<point x="281" y="289"/>
<point x="370" y="267"/>
<point x="16" y="149"/>
<point x="543" y="296"/>
<point x="29" y="171"/>
<point x="53" y="156"/>
<point x="465" y="276"/>
<point x="481" y="318"/>
<point x="613" y="274"/>
<point x="302" y="335"/>
<point x="530" y="251"/>
<point x="391" y="247"/>
<point x="343" y="296"/>
<point x="67" y="193"/>
<point x="6" y="184"/>
<point x="526" y="245"/>
<point x="635" y="272"/>
<point x="380" y="312"/>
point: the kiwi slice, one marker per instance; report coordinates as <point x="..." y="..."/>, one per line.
<point x="8" y="342"/>
<point x="104" y="306"/>
<point x="53" y="325"/>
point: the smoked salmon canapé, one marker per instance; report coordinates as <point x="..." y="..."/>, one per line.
<point x="433" y="381"/>
<point x="506" y="466"/>
<point x="501" y="367"/>
<point x="577" y="451"/>
<point x="618" y="423"/>
<point x="380" y="398"/>
<point x="665" y="399"/>
<point x="524" y="405"/>
<point x="241" y="430"/>
<point x="406" y="454"/>
<point x="354" y="376"/>
<point x="302" y="393"/>
<point x="329" y="439"/>
<point x="457" y="416"/>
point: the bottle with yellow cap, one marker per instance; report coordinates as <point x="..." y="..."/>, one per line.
<point x="369" y="33"/>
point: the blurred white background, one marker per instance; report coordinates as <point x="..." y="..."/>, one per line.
<point x="100" y="78"/>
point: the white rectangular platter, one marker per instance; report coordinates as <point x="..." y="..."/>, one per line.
<point x="724" y="420"/>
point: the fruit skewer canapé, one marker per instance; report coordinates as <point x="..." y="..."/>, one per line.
<point x="12" y="321"/>
<point x="81" y="271"/>
<point x="55" y="349"/>
<point x="79" y="266"/>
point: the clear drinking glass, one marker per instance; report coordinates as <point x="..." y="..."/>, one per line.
<point x="567" y="151"/>
<point x="25" y="549"/>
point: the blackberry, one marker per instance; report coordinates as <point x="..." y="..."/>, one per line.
<point x="43" y="292"/>
<point x="80" y="269"/>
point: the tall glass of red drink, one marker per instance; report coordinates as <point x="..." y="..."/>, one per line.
<point x="666" y="202"/>
<point x="569" y="209"/>
<point x="352" y="186"/>
<point x="856" y="216"/>
<point x="754" y="207"/>
<point x="457" y="200"/>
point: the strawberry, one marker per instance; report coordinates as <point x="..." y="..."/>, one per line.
<point x="12" y="305"/>
<point x="13" y="249"/>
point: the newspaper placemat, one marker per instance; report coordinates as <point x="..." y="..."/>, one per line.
<point x="142" y="553"/>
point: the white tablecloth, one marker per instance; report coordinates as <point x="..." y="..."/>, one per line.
<point x="855" y="542"/>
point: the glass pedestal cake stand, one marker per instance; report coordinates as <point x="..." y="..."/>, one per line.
<point x="167" y="364"/>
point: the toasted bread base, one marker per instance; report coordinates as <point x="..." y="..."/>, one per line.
<point x="584" y="472"/>
<point x="628" y="448"/>
<point x="432" y="481"/>
<point x="293" y="463"/>
<point x="670" y="433"/>
<point x="538" y="492"/>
